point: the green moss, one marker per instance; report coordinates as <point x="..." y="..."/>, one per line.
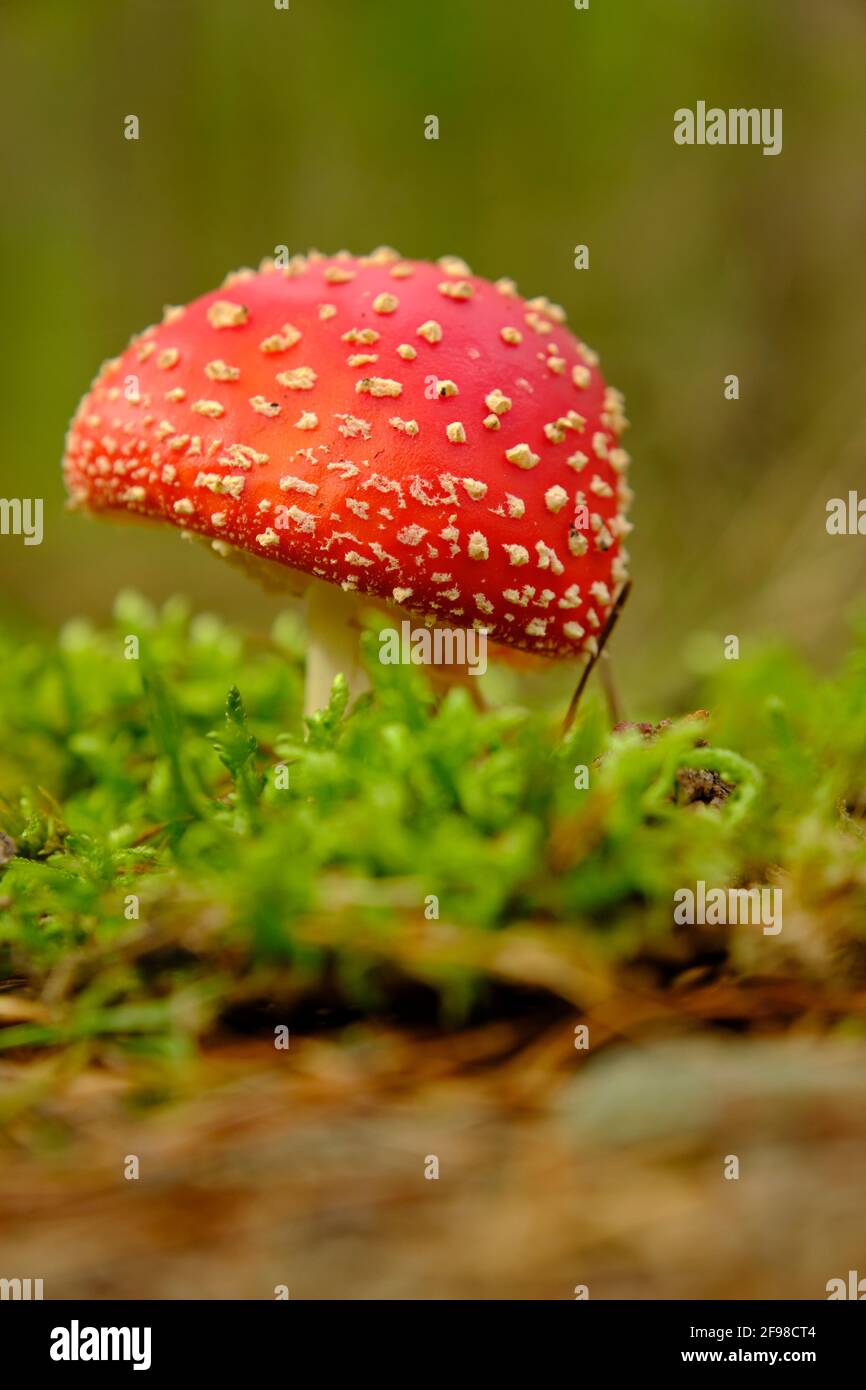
<point x="184" y="842"/>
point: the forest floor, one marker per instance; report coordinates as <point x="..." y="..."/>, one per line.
<point x="512" y="1069"/>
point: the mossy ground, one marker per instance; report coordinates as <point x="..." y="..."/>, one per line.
<point x="185" y="857"/>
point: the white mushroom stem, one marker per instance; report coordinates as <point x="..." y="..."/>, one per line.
<point x="333" y="623"/>
<point x="334" y="628"/>
<point x="333" y="644"/>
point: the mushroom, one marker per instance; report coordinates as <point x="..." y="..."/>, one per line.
<point x="372" y="427"/>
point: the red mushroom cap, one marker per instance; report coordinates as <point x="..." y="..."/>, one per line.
<point x="403" y="429"/>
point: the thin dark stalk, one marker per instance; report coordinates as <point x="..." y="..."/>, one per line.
<point x="590" y="665"/>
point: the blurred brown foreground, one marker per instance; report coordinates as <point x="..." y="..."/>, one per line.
<point x="557" y="1168"/>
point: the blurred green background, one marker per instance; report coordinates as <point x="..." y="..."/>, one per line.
<point x="305" y="127"/>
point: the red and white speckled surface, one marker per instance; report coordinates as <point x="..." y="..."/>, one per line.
<point x="405" y="429"/>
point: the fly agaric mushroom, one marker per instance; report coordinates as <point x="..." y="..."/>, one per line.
<point x="376" y="427"/>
